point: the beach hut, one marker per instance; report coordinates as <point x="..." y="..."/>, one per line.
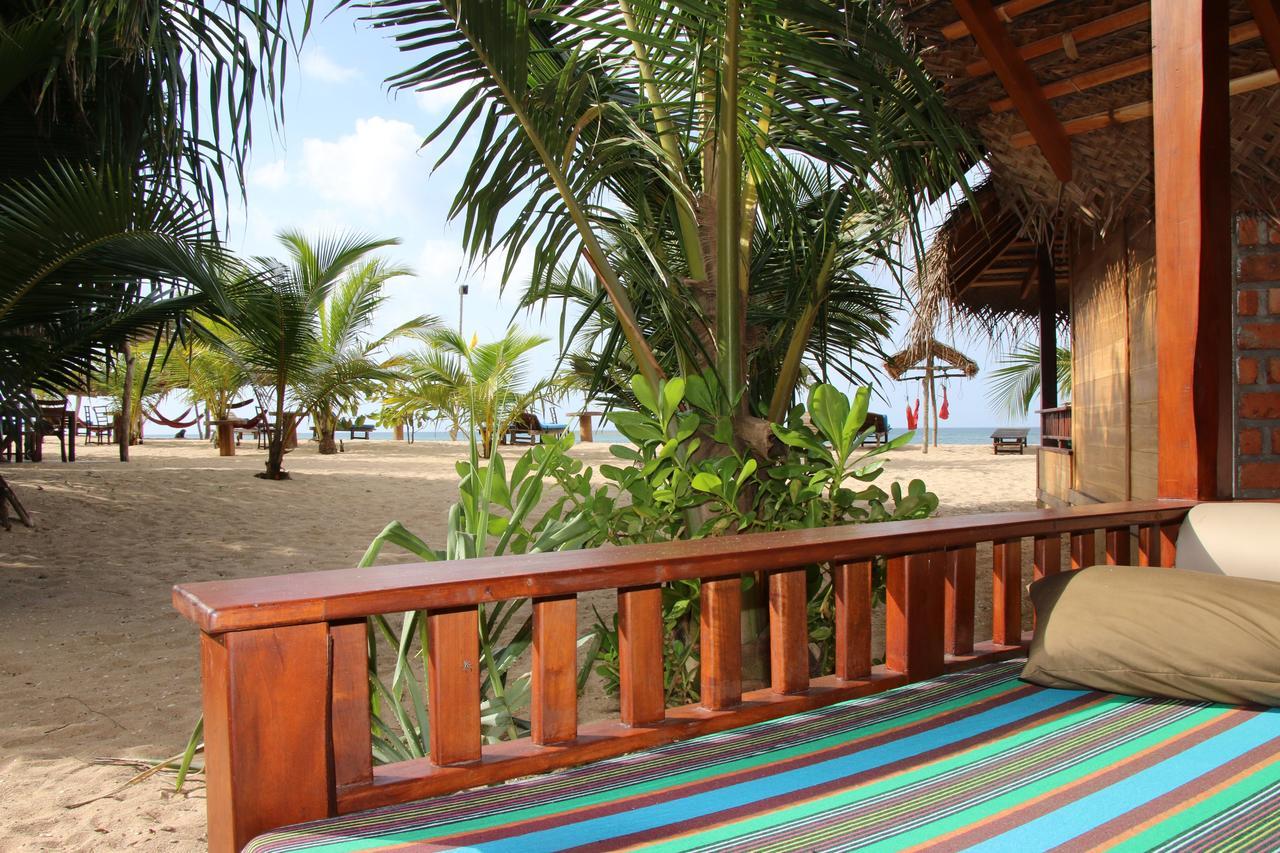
<point x="1085" y="227"/>
<point x="929" y="361"/>
<point x="1111" y="137"/>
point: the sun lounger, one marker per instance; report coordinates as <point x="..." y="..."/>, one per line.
<point x="527" y="429"/>
<point x="880" y="432"/>
<point x="968" y="759"/>
<point x="1009" y="440"/>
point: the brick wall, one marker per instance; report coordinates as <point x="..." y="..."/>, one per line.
<point x="1257" y="358"/>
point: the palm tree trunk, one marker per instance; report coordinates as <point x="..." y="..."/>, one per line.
<point x="326" y="426"/>
<point x="125" y="434"/>
<point x="275" y="451"/>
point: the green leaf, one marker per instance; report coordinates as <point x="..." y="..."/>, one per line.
<point x="644" y="394"/>
<point x="706" y="482"/>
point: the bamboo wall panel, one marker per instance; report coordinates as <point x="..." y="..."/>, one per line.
<point x="1100" y="370"/>
<point x="1143" y="376"/>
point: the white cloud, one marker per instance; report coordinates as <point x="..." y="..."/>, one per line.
<point x="319" y="65"/>
<point x="436" y="101"/>
<point x="272" y="175"/>
<point x="372" y="168"/>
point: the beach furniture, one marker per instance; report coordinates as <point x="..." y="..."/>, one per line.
<point x="52" y="418"/>
<point x="836" y="759"/>
<point x="98" y="423"/>
<point x="585" y="433"/>
<point x="528" y="429"/>
<point x="880" y="428"/>
<point x="1009" y="440"/>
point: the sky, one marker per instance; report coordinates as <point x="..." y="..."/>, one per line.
<point x="349" y="157"/>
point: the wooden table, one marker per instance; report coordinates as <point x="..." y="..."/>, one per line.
<point x="584" y="424"/>
<point x="227" y="435"/>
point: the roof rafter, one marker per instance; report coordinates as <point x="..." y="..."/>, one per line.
<point x="1088" y="31"/>
<point x="1267" y="16"/>
<point x="998" y="47"/>
<point x="1005" y="11"/>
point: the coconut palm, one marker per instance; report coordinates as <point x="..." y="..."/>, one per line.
<point x="300" y="326"/>
<point x="652" y="140"/>
<point x="214" y="376"/>
<point x="1016" y="382"/>
<point x="485" y="384"/>
<point x="347" y="366"/>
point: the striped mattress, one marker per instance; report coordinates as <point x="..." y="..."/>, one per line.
<point x="973" y="760"/>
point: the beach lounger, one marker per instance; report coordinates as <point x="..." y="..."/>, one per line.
<point x="969" y="759"/>
<point x="1009" y="440"/>
<point x="880" y="433"/>
<point x="528" y="429"/>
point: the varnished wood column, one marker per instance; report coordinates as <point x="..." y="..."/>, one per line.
<point x="1193" y="246"/>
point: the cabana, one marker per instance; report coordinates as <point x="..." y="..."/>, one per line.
<point x="939" y="745"/>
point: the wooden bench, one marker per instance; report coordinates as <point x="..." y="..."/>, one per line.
<point x="286" y="692"/>
<point x="1009" y="440"/>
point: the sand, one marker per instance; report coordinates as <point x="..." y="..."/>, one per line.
<point x="94" y="663"/>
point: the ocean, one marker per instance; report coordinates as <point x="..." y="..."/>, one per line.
<point x="946" y="435"/>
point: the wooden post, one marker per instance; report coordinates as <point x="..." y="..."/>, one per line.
<point x="959" y="598"/>
<point x="721" y="642"/>
<point x="453" y="685"/>
<point x="640" y="665"/>
<point x="266" y="711"/>
<point x="1006" y="592"/>
<point x="788" y="632"/>
<point x="852" y="582"/>
<point x="1191" y="125"/>
<point x="1048" y="327"/>
<point x="914" y="615"/>
<point x="226" y="438"/>
<point x="554" y="716"/>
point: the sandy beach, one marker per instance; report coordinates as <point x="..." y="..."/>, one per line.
<point x="95" y="664"/>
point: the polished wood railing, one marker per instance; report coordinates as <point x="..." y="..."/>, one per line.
<point x="1055" y="427"/>
<point x="286" y="691"/>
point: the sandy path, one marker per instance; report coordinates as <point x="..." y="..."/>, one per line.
<point x="95" y="663"/>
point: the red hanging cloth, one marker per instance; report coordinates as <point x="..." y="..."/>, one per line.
<point x="946" y="409"/>
<point x="913" y="417"/>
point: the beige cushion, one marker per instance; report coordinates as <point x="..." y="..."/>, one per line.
<point x="1157" y="632"/>
<point x="1237" y="539"/>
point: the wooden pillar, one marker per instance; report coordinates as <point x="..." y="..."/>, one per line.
<point x="1048" y="326"/>
<point x="1193" y="246"/>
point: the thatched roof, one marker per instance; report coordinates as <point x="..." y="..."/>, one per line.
<point x="915" y="356"/>
<point x="1112" y="163"/>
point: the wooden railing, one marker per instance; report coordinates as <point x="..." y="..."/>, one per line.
<point x="1055" y="427"/>
<point x="286" y="691"/>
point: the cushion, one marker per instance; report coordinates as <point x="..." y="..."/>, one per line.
<point x="1240" y="539"/>
<point x="1157" y="632"/>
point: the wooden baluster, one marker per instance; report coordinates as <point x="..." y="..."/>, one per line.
<point x="788" y="631"/>
<point x="1047" y="558"/>
<point x="453" y="685"/>
<point x="1083" y="550"/>
<point x="721" y="629"/>
<point x="1118" y="548"/>
<point x="915" y="615"/>
<point x="266" y="731"/>
<point x="959" y="599"/>
<point x="1169" y="543"/>
<point x="352" y="742"/>
<point x="852" y="583"/>
<point x="1148" y="545"/>
<point x="554" y="714"/>
<point x="640" y="667"/>
<point x="1006" y="592"/>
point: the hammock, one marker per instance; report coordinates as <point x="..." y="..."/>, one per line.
<point x="175" y="423"/>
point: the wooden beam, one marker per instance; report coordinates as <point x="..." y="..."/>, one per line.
<point x="1005" y="12"/>
<point x="996" y="45"/>
<point x="1048" y="328"/>
<point x="1088" y="31"/>
<point x="1191" y="111"/>
<point x="1144" y="110"/>
<point x="1024" y="287"/>
<point x="1266" y="14"/>
<point x="1240" y="34"/>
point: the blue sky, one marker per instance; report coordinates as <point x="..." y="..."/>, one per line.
<point x="348" y="157"/>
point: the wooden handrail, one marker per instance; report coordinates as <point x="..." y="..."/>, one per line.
<point x="286" y="692"/>
<point x="304" y="597"/>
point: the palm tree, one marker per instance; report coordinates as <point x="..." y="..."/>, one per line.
<point x="290" y="335"/>
<point x="485" y="384"/>
<point x="654" y="141"/>
<point x="346" y="367"/>
<point x="1016" y="382"/>
<point x="214" y="376"/>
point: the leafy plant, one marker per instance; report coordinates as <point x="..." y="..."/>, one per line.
<point x="1016" y="381"/>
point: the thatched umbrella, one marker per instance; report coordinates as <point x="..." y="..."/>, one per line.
<point x="930" y="361"/>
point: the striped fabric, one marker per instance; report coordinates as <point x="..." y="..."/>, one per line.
<point x="974" y="760"/>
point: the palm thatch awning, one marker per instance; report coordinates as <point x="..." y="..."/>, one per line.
<point x="948" y="361"/>
<point x="1090" y="68"/>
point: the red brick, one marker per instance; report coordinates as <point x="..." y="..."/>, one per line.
<point x="1260" y="267"/>
<point x="1260" y="336"/>
<point x="1273" y="300"/>
<point x="1273" y="370"/>
<point x="1260" y="475"/>
<point x="1275" y="438"/>
<point x="1260" y="404"/>
<point x="1247" y="371"/>
<point x="1247" y="230"/>
<point x="1247" y="303"/>
<point x="1250" y="442"/>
